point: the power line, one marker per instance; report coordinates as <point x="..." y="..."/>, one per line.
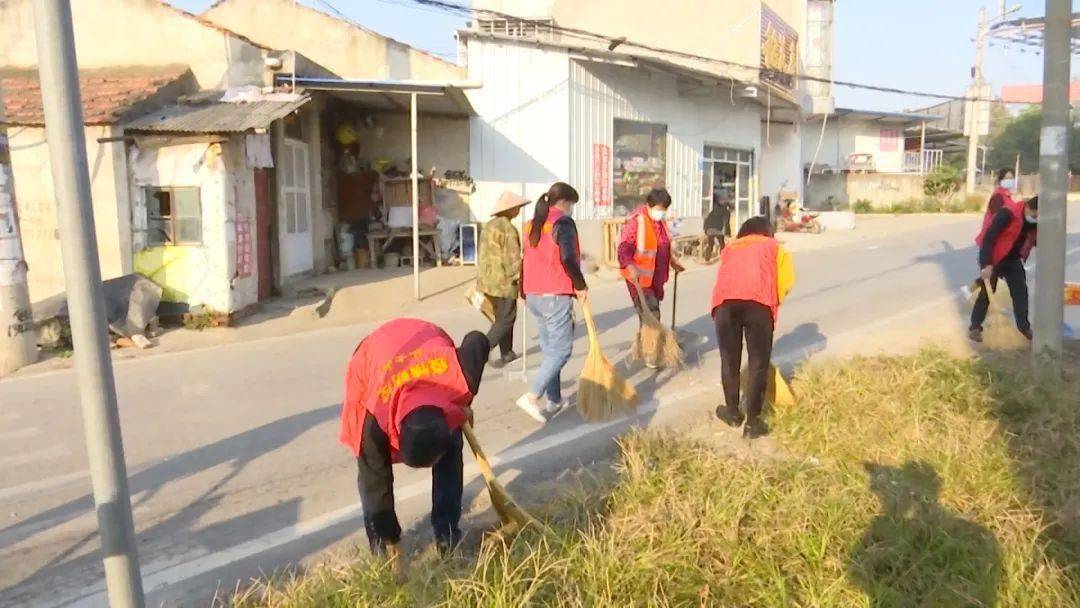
<point x="466" y="11"/>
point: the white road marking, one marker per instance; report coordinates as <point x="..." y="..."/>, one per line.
<point x="41" y="484"/>
<point x="8" y="416"/>
<point x="29" y="431"/>
<point x="49" y="453"/>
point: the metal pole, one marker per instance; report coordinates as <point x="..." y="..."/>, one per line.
<point x="1053" y="175"/>
<point x="82" y="275"/>
<point x="975" y="107"/>
<point x="415" y="200"/>
<point x="1016" y="172"/>
<point x="18" y="346"/>
<point x="524" y="308"/>
<point x="922" y="150"/>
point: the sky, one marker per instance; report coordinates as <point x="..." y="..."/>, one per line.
<point x="925" y="45"/>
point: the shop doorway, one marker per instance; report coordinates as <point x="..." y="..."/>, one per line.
<point x="294" y="208"/>
<point x="728" y="175"/>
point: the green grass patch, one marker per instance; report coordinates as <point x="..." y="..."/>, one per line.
<point x="931" y="204"/>
<point x="908" y="481"/>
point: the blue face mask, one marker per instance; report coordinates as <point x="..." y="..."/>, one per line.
<point x="1008" y="184"/>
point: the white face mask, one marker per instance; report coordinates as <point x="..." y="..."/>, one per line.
<point x="1031" y="219"/>
<point x="658" y="215"/>
<point x="1008" y="184"/>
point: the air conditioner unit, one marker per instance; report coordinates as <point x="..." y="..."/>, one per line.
<point x="748" y="92"/>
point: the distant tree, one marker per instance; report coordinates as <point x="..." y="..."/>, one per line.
<point x="1020" y="135"/>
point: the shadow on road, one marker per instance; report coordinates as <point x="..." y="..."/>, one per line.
<point x="235" y="453"/>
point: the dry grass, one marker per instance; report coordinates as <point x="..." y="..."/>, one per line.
<point x="912" y="481"/>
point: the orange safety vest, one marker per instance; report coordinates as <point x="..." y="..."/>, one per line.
<point x="748" y="272"/>
<point x="402" y="365"/>
<point x="645" y="247"/>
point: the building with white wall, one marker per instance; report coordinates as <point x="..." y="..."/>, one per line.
<point x="613" y="121"/>
<point x="869" y="142"/>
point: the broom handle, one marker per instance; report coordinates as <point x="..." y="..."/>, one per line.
<point x="589" y="321"/>
<point x="645" y="311"/>
<point x="481" y="459"/>
<point x="674" y="299"/>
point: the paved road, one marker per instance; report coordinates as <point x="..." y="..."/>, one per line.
<point x="232" y="451"/>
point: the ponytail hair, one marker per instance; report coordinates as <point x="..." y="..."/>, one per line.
<point x="558" y="192"/>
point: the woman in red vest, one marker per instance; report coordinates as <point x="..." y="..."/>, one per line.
<point x="551" y="279"/>
<point x="408" y="391"/>
<point x="1006" y="184"/>
<point x="1005" y="242"/>
<point x="645" y="252"/>
<point x="754" y="277"/>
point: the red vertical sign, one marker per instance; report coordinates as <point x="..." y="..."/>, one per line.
<point x="601" y="181"/>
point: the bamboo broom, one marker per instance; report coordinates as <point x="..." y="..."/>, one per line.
<point x="509" y="511"/>
<point x="602" y="393"/>
<point x="655" y="343"/>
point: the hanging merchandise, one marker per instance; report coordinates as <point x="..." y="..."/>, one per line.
<point x="349" y="163"/>
<point x="346" y="134"/>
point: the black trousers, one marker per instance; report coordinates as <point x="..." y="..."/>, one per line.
<point x="713" y="239"/>
<point x="375" y="480"/>
<point x="736" y="320"/>
<point x="1012" y="270"/>
<point x="502" y="329"/>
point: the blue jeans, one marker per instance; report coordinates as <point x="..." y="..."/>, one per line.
<point x="554" y="317"/>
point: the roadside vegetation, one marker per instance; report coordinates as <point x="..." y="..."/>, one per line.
<point x="924" y="480"/>
<point x="974" y="203"/>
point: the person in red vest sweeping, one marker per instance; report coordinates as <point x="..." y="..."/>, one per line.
<point x="754" y="277"/>
<point x="551" y="279"/>
<point x="1005" y="242"/>
<point x="408" y="391"/>
<point x="645" y="252"/>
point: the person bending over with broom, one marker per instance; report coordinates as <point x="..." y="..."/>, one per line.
<point x="1005" y="242"/>
<point x="551" y="279"/>
<point x="408" y="392"/>
<point x="754" y="276"/>
<point x="645" y="256"/>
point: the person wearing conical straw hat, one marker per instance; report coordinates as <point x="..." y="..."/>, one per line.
<point x="551" y="280"/>
<point x="644" y="254"/>
<point x="408" y="392"/>
<point x="499" y="273"/>
<point x="754" y="277"/>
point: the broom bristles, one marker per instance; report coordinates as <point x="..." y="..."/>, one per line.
<point x="505" y="506"/>
<point x="657" y="343"/>
<point x="602" y="393"/>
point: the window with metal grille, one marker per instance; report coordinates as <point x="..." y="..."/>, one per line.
<point x="517" y="28"/>
<point x="173" y="216"/>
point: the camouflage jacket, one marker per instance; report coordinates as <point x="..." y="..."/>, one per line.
<point x="499" y="273"/>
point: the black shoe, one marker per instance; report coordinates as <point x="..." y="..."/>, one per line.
<point x="1027" y="334"/>
<point x="975" y="334"/>
<point x="446" y="547"/>
<point x="731" y="418"/>
<point x="755" y="428"/>
<point x="509" y="357"/>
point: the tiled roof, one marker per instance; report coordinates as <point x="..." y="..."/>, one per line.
<point x="107" y="95"/>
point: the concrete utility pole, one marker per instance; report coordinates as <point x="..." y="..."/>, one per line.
<point x="975" y="107"/>
<point x="1053" y="175"/>
<point x="61" y="101"/>
<point x="18" y="346"/>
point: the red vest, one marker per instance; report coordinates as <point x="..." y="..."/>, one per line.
<point x="542" y="269"/>
<point x="402" y="365"/>
<point x="748" y="272"/>
<point x="1007" y="239"/>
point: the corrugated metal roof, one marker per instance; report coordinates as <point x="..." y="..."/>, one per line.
<point x="216" y="116"/>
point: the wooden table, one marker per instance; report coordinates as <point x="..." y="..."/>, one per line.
<point x="387" y="238"/>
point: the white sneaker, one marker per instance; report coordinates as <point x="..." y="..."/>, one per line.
<point x="528" y="404"/>
<point x="553" y="407"/>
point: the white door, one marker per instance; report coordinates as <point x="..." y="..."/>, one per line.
<point x="294" y="208"/>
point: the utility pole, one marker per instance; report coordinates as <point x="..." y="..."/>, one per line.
<point x="18" y="344"/>
<point x="1053" y="177"/>
<point x="975" y="107"/>
<point x="58" y="72"/>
